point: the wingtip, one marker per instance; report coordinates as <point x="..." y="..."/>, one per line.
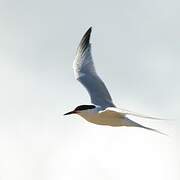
<point x="90" y="29"/>
<point x="88" y="32"/>
<point x="85" y="40"/>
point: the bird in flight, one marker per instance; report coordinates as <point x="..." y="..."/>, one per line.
<point x="102" y="111"/>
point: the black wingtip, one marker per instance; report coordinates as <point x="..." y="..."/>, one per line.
<point x="89" y="30"/>
<point x="87" y="35"/>
<point x="85" y="39"/>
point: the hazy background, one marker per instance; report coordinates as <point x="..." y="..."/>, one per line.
<point x="136" y="48"/>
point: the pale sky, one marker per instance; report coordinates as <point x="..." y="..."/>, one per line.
<point x="136" y="51"/>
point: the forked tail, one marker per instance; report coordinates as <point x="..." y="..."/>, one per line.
<point x="155" y="130"/>
<point x="135" y="124"/>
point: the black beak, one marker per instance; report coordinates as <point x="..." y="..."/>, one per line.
<point x="71" y="112"/>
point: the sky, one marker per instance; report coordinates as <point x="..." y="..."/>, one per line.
<point x="135" y="46"/>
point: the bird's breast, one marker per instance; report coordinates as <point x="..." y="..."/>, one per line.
<point x="102" y="119"/>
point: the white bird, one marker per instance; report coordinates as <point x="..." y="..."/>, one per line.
<point x="102" y="111"/>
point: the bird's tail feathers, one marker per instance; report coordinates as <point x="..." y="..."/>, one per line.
<point x="155" y="130"/>
<point x="135" y="124"/>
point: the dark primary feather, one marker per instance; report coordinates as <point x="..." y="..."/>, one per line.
<point x="85" y="40"/>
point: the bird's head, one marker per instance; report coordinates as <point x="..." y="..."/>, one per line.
<point x="80" y="109"/>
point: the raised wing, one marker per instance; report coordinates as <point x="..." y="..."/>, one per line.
<point x="85" y="72"/>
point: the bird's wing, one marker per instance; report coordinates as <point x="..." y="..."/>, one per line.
<point x="128" y="113"/>
<point x="85" y="72"/>
<point x="124" y="119"/>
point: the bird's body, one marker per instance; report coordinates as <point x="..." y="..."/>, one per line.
<point x="102" y="117"/>
<point x="107" y="117"/>
<point x="102" y="111"/>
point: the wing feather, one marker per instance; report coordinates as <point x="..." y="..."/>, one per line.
<point x="84" y="71"/>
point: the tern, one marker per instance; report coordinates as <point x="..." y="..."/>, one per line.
<point x="102" y="110"/>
